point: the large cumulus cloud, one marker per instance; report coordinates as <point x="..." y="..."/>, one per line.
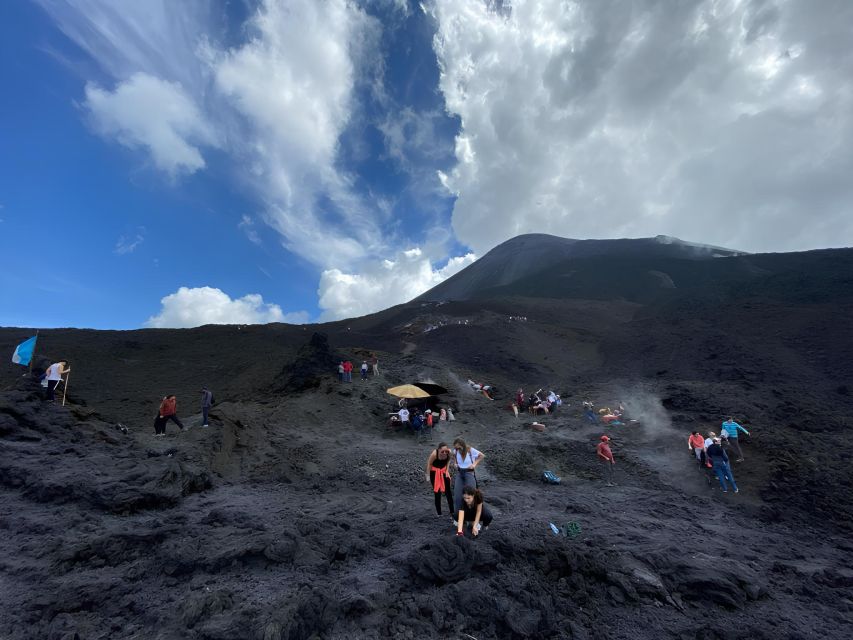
<point x="725" y="122"/>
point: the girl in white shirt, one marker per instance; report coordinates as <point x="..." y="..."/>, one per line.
<point x="467" y="458"/>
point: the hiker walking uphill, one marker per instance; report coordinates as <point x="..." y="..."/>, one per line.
<point x="206" y="404"/>
<point x="54" y="375"/>
<point x="168" y="411"/>
<point x="438" y="475"/>
<point x="467" y="459"/>
<point x="474" y="513"/>
<point x="731" y="428"/>
<point x="605" y="457"/>
<point x="720" y="461"/>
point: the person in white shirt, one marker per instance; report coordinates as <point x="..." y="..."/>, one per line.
<point x="404" y="417"/>
<point x="54" y="374"/>
<point x="467" y="459"/>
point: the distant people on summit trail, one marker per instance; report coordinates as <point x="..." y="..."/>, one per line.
<point x="364" y="370"/>
<point x="731" y="428"/>
<point x="341" y="371"/>
<point x="206" y="404"/>
<point x="438" y="475"/>
<point x="720" y="461"/>
<point x="374" y="364"/>
<point x="474" y="513"/>
<point x="168" y="411"/>
<point x="347" y="371"/>
<point x="605" y="457"/>
<point x="54" y="375"/>
<point x="696" y="444"/>
<point x="467" y="459"/>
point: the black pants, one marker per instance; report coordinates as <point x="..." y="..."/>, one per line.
<point x="446" y="493"/>
<point x="160" y="423"/>
<point x="51" y="389"/>
<point x="204" y="412"/>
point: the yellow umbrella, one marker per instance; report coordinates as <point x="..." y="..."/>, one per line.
<point x="408" y="391"/>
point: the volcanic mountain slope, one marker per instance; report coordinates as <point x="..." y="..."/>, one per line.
<point x="299" y="515"/>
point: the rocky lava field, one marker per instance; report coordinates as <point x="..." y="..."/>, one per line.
<point x="300" y="515"/>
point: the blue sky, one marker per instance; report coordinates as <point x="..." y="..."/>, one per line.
<point x="174" y="164"/>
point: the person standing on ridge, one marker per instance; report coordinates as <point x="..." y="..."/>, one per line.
<point x="605" y="456"/>
<point x="374" y="364"/>
<point x="347" y="371"/>
<point x="364" y="370"/>
<point x="467" y="459"/>
<point x="206" y="404"/>
<point x="169" y="411"/>
<point x="720" y="461"/>
<point x="438" y="475"/>
<point x="341" y="371"/>
<point x="54" y="374"/>
<point x="731" y="428"/>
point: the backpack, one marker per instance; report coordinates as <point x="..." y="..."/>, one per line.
<point x="549" y="477"/>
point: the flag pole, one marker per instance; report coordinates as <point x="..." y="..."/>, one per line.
<point x="65" y="387"/>
<point x="33" y="355"/>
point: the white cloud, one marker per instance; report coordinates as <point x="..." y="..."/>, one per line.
<point x="193" y="307"/>
<point x="247" y="225"/>
<point x="724" y="122"/>
<point x="128" y="243"/>
<point x="293" y="83"/>
<point x="382" y="284"/>
<point x="145" y="111"/>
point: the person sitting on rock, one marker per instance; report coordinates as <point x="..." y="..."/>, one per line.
<point x="438" y="475"/>
<point x="474" y="513"/>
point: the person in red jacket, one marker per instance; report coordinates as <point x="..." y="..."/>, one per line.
<point x="605" y="456"/>
<point x="347" y="371"/>
<point x="168" y="411"/>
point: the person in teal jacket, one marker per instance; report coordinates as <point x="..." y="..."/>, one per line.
<point x="731" y="428"/>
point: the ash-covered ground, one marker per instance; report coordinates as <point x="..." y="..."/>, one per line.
<point x="299" y="515"/>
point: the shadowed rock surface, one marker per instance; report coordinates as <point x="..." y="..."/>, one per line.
<point x="298" y="515"/>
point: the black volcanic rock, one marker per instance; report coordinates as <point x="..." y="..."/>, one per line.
<point x="299" y="514"/>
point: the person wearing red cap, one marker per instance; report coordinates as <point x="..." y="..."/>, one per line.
<point x="605" y="456"/>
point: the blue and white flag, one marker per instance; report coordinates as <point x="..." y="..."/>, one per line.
<point x="24" y="352"/>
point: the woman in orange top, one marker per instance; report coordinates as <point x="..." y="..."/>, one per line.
<point x="438" y="475"/>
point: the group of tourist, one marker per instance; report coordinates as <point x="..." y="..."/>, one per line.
<point x="345" y="368"/>
<point x="711" y="452"/>
<point x="455" y="472"/>
<point x="537" y="402"/>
